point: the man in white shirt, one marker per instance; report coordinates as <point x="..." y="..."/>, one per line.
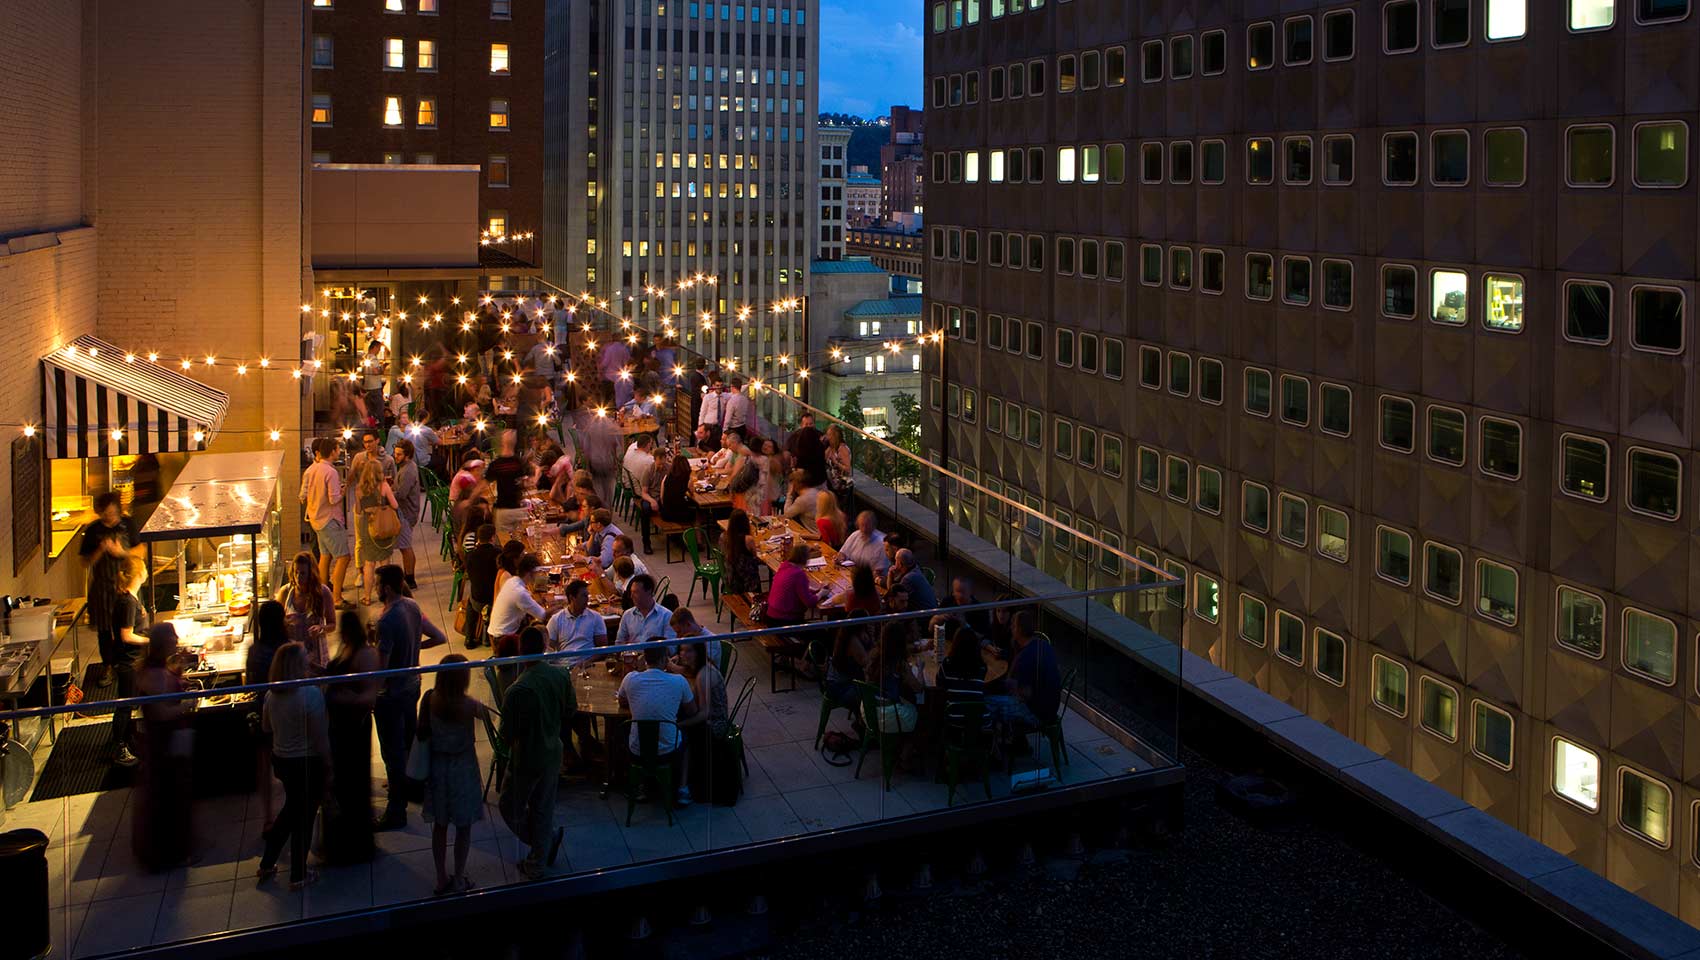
<point x="577" y="627"/>
<point x="737" y="413"/>
<point x="655" y="693"/>
<point x="514" y="601"/>
<point x="646" y="620"/>
<point x="866" y="544"/>
<point x="639" y="464"/>
<point x="687" y="629"/>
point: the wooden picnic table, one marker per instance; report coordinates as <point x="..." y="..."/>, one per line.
<point x="596" y="684"/>
<point x="833" y="576"/>
<point x="716" y="499"/>
<point x="562" y="556"/>
<point x="632" y="426"/>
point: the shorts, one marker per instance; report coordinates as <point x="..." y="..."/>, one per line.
<point x="509" y="520"/>
<point x="333" y="539"/>
<point x="404" y="539"/>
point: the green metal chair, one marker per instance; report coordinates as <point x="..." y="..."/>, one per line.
<point x="661" y="587"/>
<point x="887" y="740"/>
<point x="499" y="757"/>
<point x="735" y="720"/>
<point x="728" y="659"/>
<point x="648" y="765"/>
<point x="966" y="739"/>
<point x="932" y="578"/>
<point x="708" y="573"/>
<point x="498" y="689"/>
<point x="1053" y="730"/>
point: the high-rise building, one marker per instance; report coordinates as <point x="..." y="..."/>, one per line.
<point x="902" y="168"/>
<point x="834" y="141"/>
<point x="681" y="164"/>
<point x="437" y="82"/>
<point x="1405" y="289"/>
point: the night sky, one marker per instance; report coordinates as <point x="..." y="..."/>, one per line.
<point x="871" y="55"/>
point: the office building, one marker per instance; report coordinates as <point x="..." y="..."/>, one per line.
<point x="834" y="141"/>
<point x="1371" y="323"/>
<point x="437" y="82"/>
<point x="861" y="196"/>
<point x="902" y="166"/>
<point x="681" y="165"/>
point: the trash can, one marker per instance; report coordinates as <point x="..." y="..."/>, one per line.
<point x="23" y="875"/>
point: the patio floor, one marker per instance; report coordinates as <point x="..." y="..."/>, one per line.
<point x="102" y="901"/>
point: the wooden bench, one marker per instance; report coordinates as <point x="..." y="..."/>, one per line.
<point x="670" y="532"/>
<point x="782" y="654"/>
<point x="738" y="606"/>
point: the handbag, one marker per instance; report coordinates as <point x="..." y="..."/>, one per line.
<point x="382" y="522"/>
<point x="460" y="617"/>
<point x="419" y="760"/>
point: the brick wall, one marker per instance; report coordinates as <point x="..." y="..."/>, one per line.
<point x="40" y="94"/>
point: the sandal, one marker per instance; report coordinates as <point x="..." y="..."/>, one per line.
<point x="464" y="884"/>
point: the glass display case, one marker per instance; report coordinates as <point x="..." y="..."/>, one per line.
<point x="214" y="548"/>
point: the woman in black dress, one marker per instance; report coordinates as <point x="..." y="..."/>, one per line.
<point x="348" y="818"/>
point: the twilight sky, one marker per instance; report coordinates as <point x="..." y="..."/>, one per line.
<point x="871" y="55"/>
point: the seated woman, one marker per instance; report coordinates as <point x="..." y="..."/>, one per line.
<point x="738" y="546"/>
<point x="848" y="663"/>
<point x="793" y="594"/>
<point x="675" y="493"/>
<point x="863" y="597"/>
<point x="962" y="672"/>
<point x="712" y="716"/>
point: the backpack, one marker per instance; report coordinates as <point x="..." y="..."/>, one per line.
<point x="838" y="748"/>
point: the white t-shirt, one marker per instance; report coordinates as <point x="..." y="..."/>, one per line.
<point x="512" y="603"/>
<point x="655" y="694"/>
<point x="567" y="632"/>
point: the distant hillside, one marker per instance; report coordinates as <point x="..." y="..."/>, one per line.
<point x="865" y="139"/>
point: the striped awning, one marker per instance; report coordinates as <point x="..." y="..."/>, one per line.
<point x="99" y="401"/>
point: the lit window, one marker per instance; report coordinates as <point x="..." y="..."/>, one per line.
<point x="1449" y="295"/>
<point x="427" y="115"/>
<point x="322" y="4"/>
<point x="1588" y="155"/>
<point x="425" y="159"/>
<point x="1491" y="734"/>
<point x="1443" y="572"/>
<point x="1576" y="773"/>
<point x="498" y="168"/>
<point x="1260" y="46"/>
<point x="1643" y="804"/>
<point x="1206" y="598"/>
<point x="321" y="109"/>
<point x="498" y="58"/>
<point x="392" y="111"/>
<point x="498" y="114"/>
<point x="395" y="6"/>
<point x="1505" y="153"/>
<point x="1507" y="19"/>
<point x="1661" y="154"/>
<point x="1254" y="624"/>
<point x="497" y="223"/>
<point x="1655" y="483"/>
<point x="1254" y="506"/>
<point x="428" y="7"/>
<point x="1331" y="657"/>
<point x="1389" y="685"/>
<point x="1592" y="14"/>
<point x="1333" y="534"/>
<point x="1656" y="319"/>
<point x="1504" y="302"/>
<point x="1581" y="622"/>
<point x="1289" y="637"/>
<point x="1065" y="164"/>
<point x="1649" y="645"/>
<point x="1393" y="555"/>
<point x="1586" y="467"/>
<point x="1439" y="708"/>
<point x="395" y="53"/>
<point x="427" y="55"/>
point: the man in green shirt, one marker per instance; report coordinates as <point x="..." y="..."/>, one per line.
<point x="535" y="711"/>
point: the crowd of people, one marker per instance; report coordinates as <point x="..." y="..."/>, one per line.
<point x="365" y="512"/>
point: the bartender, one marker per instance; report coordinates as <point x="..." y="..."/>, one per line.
<point x="108" y="541"/>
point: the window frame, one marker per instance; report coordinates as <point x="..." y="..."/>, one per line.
<point x="1603" y="497"/>
<point x="1282" y="401"/>
<point x="1443" y="598"/>
<point x="1552" y="780"/>
<point x="1273" y="284"/>
<point x="1304" y="510"/>
<point x="1569" y="181"/>
<point x="1198" y="579"/>
<point x="1481" y="447"/>
<point x="1198" y="473"/>
<point x="1140" y="452"/>
<point x="1469" y="165"/>
<point x="1686" y="10"/>
<point x="1570" y="18"/>
<point x="1286" y="41"/>
<point x="1410" y="555"/>
<point x="1524" y="133"/>
<point x="1611" y="310"/>
<point x="1634" y="343"/>
<point x="1268" y="524"/>
<point x="1351" y="283"/>
<point x="1316" y="635"/>
<point x="1433" y="25"/>
<point x="1343" y="515"/>
<point x="1416" y="291"/>
<point x="1245" y="395"/>
<point x="1479" y="703"/>
<point x="1389" y="51"/>
<point x="1428" y="435"/>
<point x="1273" y="51"/>
<point x="1456" y="701"/>
<point x="1350" y="14"/>
<point x="1635" y="153"/>
<point x="1516" y="576"/>
<point x="1625" y="770"/>
<point x="1321" y="407"/>
<point x="1417" y="174"/>
<point x="1375" y="661"/>
<point x="1335" y="138"/>
<point x="1169" y="462"/>
<point x="1623" y="645"/>
<point x="1558" y="619"/>
<point x="1629" y="483"/>
<point x="1279" y="614"/>
<point x="1262" y="642"/>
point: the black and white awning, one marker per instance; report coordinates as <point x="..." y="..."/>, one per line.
<point x="99" y="401"/>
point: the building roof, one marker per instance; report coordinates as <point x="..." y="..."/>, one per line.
<point x="905" y="306"/>
<point x="862" y="180"/>
<point x="852" y="265"/>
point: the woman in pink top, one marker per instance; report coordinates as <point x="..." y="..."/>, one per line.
<point x="792" y="595"/>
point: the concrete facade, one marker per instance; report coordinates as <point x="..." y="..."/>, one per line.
<point x="834" y="141"/>
<point x="1394" y="312"/>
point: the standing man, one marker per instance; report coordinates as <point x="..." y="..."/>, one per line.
<point x="108" y="541"/>
<point x="481" y="569"/>
<point x="738" y="410"/>
<point x="639" y="464"/>
<point x="396" y="712"/>
<point x="807" y="451"/>
<point x="696" y="383"/>
<point x="420" y="437"/>
<point x="321" y="492"/>
<point x="410" y="502"/>
<point x="711" y="414"/>
<point x="375" y="366"/>
<point x="371" y="448"/>
<point x="508" y="472"/>
<point x="535" y="709"/>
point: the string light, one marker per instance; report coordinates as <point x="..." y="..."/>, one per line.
<point x="29" y="429"/>
<point x="276" y="435"/>
<point x="200" y="436"/>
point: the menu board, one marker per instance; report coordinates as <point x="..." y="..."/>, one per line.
<point x="26" y="501"/>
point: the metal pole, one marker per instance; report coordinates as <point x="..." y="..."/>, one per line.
<point x="944" y="450"/>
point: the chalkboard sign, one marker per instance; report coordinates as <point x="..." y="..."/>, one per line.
<point x="26" y="500"/>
